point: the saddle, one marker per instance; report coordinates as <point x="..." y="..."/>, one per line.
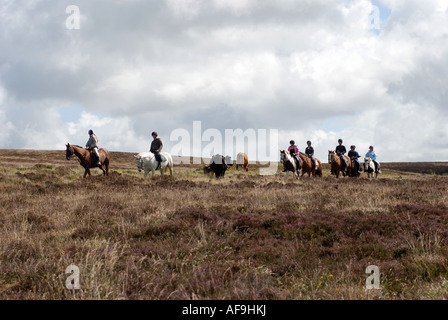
<point x="297" y="161"/>
<point x="377" y="166"/>
<point x="94" y="156"/>
<point x="343" y="157"/>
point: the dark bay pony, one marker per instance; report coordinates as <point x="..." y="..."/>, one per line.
<point x="307" y="166"/>
<point x="336" y="165"/>
<point x="87" y="160"/>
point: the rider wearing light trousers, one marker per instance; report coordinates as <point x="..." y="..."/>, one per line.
<point x="92" y="144"/>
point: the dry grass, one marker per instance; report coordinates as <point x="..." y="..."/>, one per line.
<point x="242" y="237"/>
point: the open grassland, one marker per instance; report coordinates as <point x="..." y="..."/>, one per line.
<point x="242" y="237"/>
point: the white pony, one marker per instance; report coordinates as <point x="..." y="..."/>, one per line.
<point x="289" y="163"/>
<point x="369" y="167"/>
<point x="148" y="161"/>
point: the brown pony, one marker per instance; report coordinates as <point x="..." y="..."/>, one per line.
<point x="87" y="160"/>
<point x="336" y="165"/>
<point x="307" y="166"/>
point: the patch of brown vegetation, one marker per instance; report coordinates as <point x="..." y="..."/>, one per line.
<point x="242" y="237"/>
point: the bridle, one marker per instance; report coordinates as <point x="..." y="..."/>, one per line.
<point x="140" y="164"/>
<point x="69" y="152"/>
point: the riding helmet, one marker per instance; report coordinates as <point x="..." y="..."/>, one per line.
<point x="292" y="142"/>
<point x="353" y="147"/>
<point x="90" y="131"/>
<point x="154" y="133"/>
<point x="308" y="142"/>
<point x="340" y="140"/>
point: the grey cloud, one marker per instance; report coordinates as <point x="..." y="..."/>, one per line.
<point x="163" y="64"/>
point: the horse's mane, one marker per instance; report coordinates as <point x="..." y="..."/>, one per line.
<point x="149" y="155"/>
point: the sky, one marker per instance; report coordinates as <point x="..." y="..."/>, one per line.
<point x="311" y="69"/>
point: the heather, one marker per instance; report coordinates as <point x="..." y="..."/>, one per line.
<point x="245" y="236"/>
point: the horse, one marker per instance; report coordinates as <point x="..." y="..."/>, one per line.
<point x="354" y="168"/>
<point x="242" y="161"/>
<point x="307" y="166"/>
<point x="336" y="165"/>
<point x="290" y="163"/>
<point x="87" y="159"/>
<point x="369" y="167"/>
<point x="148" y="161"/>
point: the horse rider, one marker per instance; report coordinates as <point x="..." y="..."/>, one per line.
<point x="340" y="151"/>
<point x="294" y="152"/>
<point x="372" y="155"/>
<point x="354" y="156"/>
<point x="92" y="144"/>
<point x="309" y="151"/>
<point x="156" y="148"/>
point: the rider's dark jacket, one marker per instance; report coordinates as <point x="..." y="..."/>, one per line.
<point x="309" y="151"/>
<point x="353" y="155"/>
<point x="341" y="149"/>
<point x="156" y="145"/>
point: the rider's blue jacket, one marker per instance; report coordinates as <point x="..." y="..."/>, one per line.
<point x="371" y="155"/>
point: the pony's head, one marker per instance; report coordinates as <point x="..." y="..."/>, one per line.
<point x="139" y="161"/>
<point x="368" y="163"/>
<point x="330" y="156"/>
<point x="283" y="155"/>
<point x="69" y="151"/>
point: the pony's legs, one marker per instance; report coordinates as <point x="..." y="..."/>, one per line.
<point x="106" y="166"/>
<point x="87" y="172"/>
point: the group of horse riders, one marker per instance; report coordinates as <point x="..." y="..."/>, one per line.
<point x="294" y="152"/>
<point x="340" y="151"/>
<point x="156" y="147"/>
<point x="354" y="156"/>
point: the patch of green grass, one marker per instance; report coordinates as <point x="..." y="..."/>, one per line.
<point x="45" y="166"/>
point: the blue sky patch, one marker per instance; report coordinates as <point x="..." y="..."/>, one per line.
<point x="71" y="112"/>
<point x="378" y="17"/>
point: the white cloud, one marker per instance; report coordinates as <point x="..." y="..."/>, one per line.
<point x="295" y="65"/>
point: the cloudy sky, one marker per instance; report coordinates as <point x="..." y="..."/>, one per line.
<point x="312" y="69"/>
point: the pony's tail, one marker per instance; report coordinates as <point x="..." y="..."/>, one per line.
<point x="169" y="165"/>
